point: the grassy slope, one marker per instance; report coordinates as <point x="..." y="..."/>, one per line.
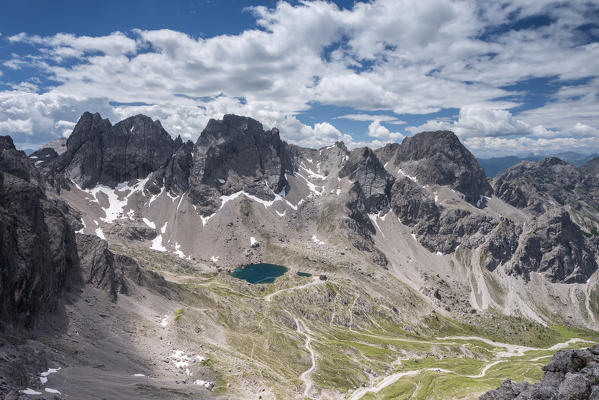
<point x="358" y="338"/>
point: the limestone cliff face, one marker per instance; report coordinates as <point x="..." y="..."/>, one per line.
<point x="236" y="154"/>
<point x="440" y="158"/>
<point x="38" y="252"/>
<point x="99" y="153"/>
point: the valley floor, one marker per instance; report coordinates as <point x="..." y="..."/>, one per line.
<point x="186" y="334"/>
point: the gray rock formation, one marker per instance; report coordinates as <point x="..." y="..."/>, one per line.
<point x="99" y="153"/>
<point x="437" y="228"/>
<point x="500" y="245"/>
<point x="543" y="185"/>
<point x="101" y="267"/>
<point x="236" y="154"/>
<point x="555" y="246"/>
<point x="439" y="158"/>
<point x="571" y="374"/>
<point x="591" y="167"/>
<point x="38" y="255"/>
<point x="372" y="188"/>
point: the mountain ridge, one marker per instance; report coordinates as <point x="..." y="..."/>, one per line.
<point x="410" y="239"/>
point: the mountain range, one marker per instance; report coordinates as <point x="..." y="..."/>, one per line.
<point x="119" y="249"/>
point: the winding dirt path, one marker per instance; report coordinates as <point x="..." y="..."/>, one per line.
<point x="512" y="351"/>
<point x="306" y="375"/>
<point x="315" y="281"/>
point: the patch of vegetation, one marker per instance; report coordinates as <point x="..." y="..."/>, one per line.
<point x="178" y="313"/>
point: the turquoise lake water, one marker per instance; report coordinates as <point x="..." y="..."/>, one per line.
<point x="259" y="273"/>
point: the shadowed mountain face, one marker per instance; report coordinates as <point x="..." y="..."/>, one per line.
<point x="38" y="253"/>
<point x="237" y="154"/>
<point x="99" y="153"/>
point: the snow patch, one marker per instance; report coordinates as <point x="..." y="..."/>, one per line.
<point x="180" y="253"/>
<point x="316" y="240"/>
<point x="214" y="259"/>
<point x="30" y="391"/>
<point x="149" y="223"/>
<point x="181" y="360"/>
<point x="138" y="375"/>
<point x="281" y="214"/>
<point x="407" y="176"/>
<point x="414" y="236"/>
<point x="373" y="218"/>
<point x="100" y="234"/>
<point x="311" y="186"/>
<point x="82" y="229"/>
<point x="52" y="391"/>
<point x="253" y="241"/>
<point x="206" y="384"/>
<point x="117" y="197"/>
<point x="164" y="321"/>
<point x="221" y="181"/>
<point x="157" y="244"/>
<point x="313" y="174"/>
<point x="480" y="201"/>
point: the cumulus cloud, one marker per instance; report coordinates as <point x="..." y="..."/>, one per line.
<point x="376" y="130"/>
<point x="484" y="122"/>
<point x="408" y="57"/>
<point x="372" y="117"/>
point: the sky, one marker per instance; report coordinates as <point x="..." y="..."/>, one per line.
<point x="509" y="77"/>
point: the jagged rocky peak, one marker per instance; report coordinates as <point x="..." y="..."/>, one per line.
<point x="174" y="175"/>
<point x="556" y="247"/>
<point x="6" y="143"/>
<point x="236" y="154"/>
<point x="100" y="153"/>
<point x="372" y="182"/>
<point x="440" y="158"/>
<point x="591" y="167"/>
<point x="542" y="185"/>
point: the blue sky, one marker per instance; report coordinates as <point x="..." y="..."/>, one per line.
<point x="511" y="78"/>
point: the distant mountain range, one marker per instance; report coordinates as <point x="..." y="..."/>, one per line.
<point x="495" y="165"/>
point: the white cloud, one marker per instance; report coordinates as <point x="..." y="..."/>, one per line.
<point x="376" y="130"/>
<point x="64" y="45"/>
<point x="408" y="57"/>
<point x="372" y="117"/>
<point x="482" y="121"/>
<point x="17" y="126"/>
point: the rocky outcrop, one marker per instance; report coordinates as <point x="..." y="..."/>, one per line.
<point x="99" y="153"/>
<point x="371" y="190"/>
<point x="556" y="247"/>
<point x="437" y="228"/>
<point x="591" y="167"/>
<point x="439" y="158"/>
<point x="415" y="206"/>
<point x="543" y="185"/>
<point x="174" y="176"/>
<point x="236" y="154"/>
<point x="501" y="244"/>
<point x="101" y="267"/>
<point x="129" y="230"/>
<point x="38" y="255"/>
<point x="571" y="374"/>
